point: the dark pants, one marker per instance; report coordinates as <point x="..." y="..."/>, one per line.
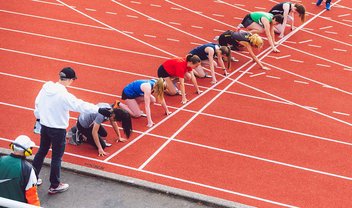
<point x="57" y="139"/>
<point x="247" y="20"/>
<point x="87" y="132"/>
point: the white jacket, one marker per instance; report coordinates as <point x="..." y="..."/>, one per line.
<point x="53" y="104"/>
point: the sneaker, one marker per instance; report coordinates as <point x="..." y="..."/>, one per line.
<point x="207" y="76"/>
<point x="319" y="2"/>
<point x="143" y="114"/>
<point x="216" y="38"/>
<point x="61" y="188"/>
<point x="327" y="7"/>
<point x="39" y="182"/>
<point x="37" y="127"/>
<point x="107" y="144"/>
<point x="234" y="59"/>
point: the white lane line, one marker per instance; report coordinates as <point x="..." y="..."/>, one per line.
<point x="78" y="63"/>
<point x="218" y="15"/>
<point x="323" y="28"/>
<point x="106" y="25"/>
<point x="155" y="5"/>
<point x="132" y="16"/>
<point x="301" y="82"/>
<point x="84" y="43"/>
<point x="292" y="42"/>
<point x="128" y="32"/>
<point x="56" y="20"/>
<point x="199" y="13"/>
<point x="135" y="2"/>
<point x="198" y="44"/>
<point x="113" y="13"/>
<point x="171" y="39"/>
<point x="344" y="15"/>
<point x="259" y="74"/>
<point x="328" y="86"/>
<point x="338" y="49"/>
<point x="319" y="57"/>
<point x="246" y="72"/>
<point x="347" y="69"/>
<point x="174" y="23"/>
<point x="296" y="104"/>
<point x="306" y="41"/>
<point x="325" y="37"/>
<point x="198" y="27"/>
<point x="89" y="9"/>
<point x="340" y="113"/>
<point x="241" y="5"/>
<point x="176" y="8"/>
<point x="345" y="20"/>
<point x="330" y="32"/>
<point x="238" y="18"/>
<point x="46" y="2"/>
<point x="298" y="61"/>
<point x="218" y="30"/>
<point x="315" y="46"/>
<point x="260" y="8"/>
<point x="323" y="65"/>
<point x="170" y="177"/>
<point x="312" y="108"/>
<point x="150" y="36"/>
<point x="273" y="77"/>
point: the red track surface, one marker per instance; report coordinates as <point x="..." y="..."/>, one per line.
<point x="267" y="138"/>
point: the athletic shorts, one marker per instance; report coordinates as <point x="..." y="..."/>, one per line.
<point x="162" y="72"/>
<point x="124" y="96"/>
<point x="247" y="20"/>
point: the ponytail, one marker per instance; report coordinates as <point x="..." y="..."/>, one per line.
<point x="226" y="50"/>
<point x="124" y="117"/>
<point x="255" y="40"/>
<point x="159" y="89"/>
<point x="301" y="12"/>
<point x="194" y="59"/>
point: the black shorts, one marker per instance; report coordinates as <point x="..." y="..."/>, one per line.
<point x="124" y="96"/>
<point x="247" y="20"/>
<point x="162" y="72"/>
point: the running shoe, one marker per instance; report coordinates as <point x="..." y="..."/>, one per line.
<point x="61" y="188"/>
<point x="327" y="7"/>
<point x="319" y="2"/>
<point x="39" y="182"/>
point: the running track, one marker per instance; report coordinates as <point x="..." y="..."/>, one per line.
<point x="277" y="138"/>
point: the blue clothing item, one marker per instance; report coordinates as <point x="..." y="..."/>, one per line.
<point x="56" y="138"/>
<point x="133" y="90"/>
<point x="199" y="51"/>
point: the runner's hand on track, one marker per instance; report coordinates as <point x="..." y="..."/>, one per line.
<point x="102" y="153"/>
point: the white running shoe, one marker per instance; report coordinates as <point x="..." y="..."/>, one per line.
<point x="61" y="188"/>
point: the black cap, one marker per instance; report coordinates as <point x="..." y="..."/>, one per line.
<point x="67" y="73"/>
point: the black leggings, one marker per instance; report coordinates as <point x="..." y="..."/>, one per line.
<point x="87" y="132"/>
<point x="247" y="20"/>
<point x="162" y="72"/>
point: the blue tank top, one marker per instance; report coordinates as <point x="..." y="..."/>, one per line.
<point x="133" y="89"/>
<point x="199" y="51"/>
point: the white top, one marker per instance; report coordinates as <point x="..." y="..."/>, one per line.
<point x="54" y="102"/>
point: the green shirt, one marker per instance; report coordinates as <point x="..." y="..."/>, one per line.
<point x="256" y="17"/>
<point x="12" y="181"/>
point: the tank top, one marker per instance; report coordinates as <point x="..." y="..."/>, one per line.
<point x="133" y="89"/>
<point x="256" y="16"/>
<point x="200" y="50"/>
<point x="279" y="8"/>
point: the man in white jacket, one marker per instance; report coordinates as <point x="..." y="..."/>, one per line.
<point x="52" y="107"/>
